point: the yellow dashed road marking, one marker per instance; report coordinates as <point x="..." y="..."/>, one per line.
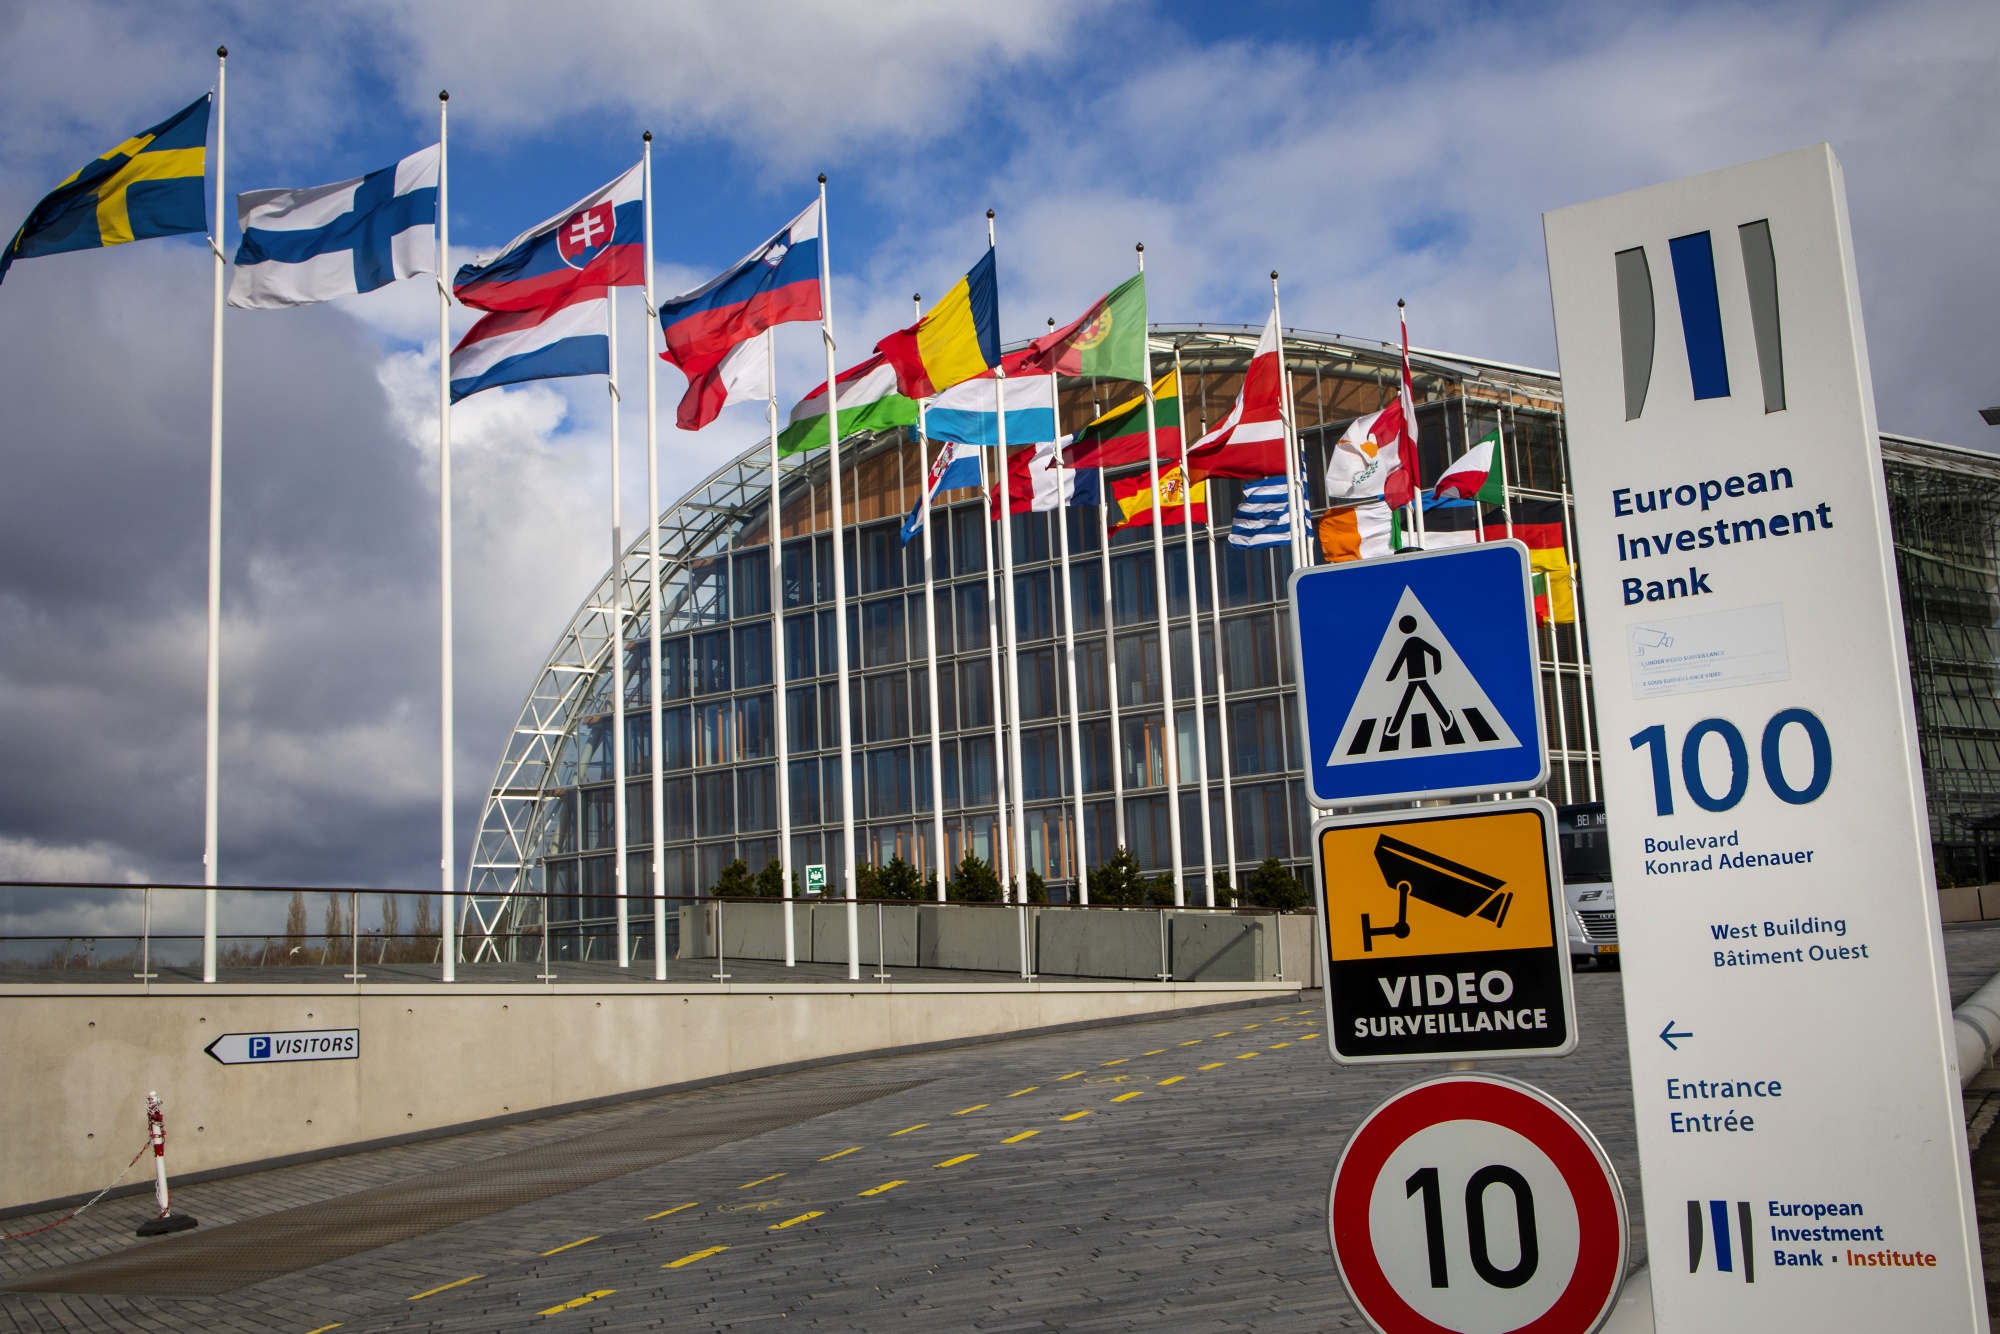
<point x="455" y="1283"/>
<point x="760" y="1181"/>
<point x="1120" y="1061"/>
<point x="1126" y="1097"/>
<point x="1221" y="1035"/>
<point x="1304" y="1036"/>
<point x="1248" y="1027"/>
<point x="676" y="1209"/>
<point x="324" y="1328"/>
<point x="975" y="1107"/>
<point x="1075" y="1116"/>
<point x="1213" y="1065"/>
<point x="1071" y="1075"/>
<point x="1245" y="1055"/>
<point x="842" y="1154"/>
<point x="690" y="1259"/>
<point x="1192" y="1042"/>
<point x="570" y="1245"/>
<point x="885" y="1186"/>
<point x="575" y="1302"/>
<point x="817" y="1213"/>
<point x="907" y="1129"/>
<point x="954" y="1162"/>
<point x="1155" y="1052"/>
<point x="1175" y="1080"/>
<point x="1281" y="1046"/>
<point x="1018" y="1092"/>
<point x="1016" y="1139"/>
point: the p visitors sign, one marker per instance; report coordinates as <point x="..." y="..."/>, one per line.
<point x="1442" y="934"/>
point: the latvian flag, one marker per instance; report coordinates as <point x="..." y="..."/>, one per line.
<point x="546" y="293"/>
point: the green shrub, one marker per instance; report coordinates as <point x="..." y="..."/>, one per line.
<point x="897" y="880"/>
<point x="1272" y="885"/>
<point x="734" y="882"/>
<point x="974" y="882"/>
<point x="1117" y="882"/>
<point x="1038" y="889"/>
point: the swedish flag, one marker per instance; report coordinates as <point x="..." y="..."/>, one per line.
<point x="148" y="186"/>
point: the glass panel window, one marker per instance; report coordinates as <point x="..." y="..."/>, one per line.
<point x="639" y="742"/>
<point x="559" y="879"/>
<point x="1034" y="606"/>
<point x="755" y="736"/>
<point x="975" y="694"/>
<point x="1093" y="677"/>
<point x="1132" y="588"/>
<point x="1256" y="737"/>
<point x="639" y="812"/>
<point x="1044" y="762"/>
<point x="802" y="719"/>
<point x="947" y="697"/>
<point x="971" y="614"/>
<point x="800" y="659"/>
<point x="565" y="822"/>
<point x="1246" y="575"/>
<point x="829" y="715"/>
<point x="889" y="782"/>
<point x="711" y="662"/>
<point x="798" y="574"/>
<point x="1096" y="738"/>
<point x="600" y="886"/>
<point x="881" y="558"/>
<point x="1252" y="651"/>
<point x="674" y="653"/>
<point x="753" y="655"/>
<point x="888" y="699"/>
<point x="677" y="734"/>
<point x="597" y="816"/>
<point x="1144" y="753"/>
<point x="1039" y="697"/>
<point x="756" y="799"/>
<point x="715" y="805"/>
<point x="805" y="791"/>
<point x="968" y="539"/>
<point x="1031" y="537"/>
<point x="1086" y="595"/>
<point x="823" y="563"/>
<point x="752" y="583"/>
<point x="714" y="742"/>
<point x="882" y="633"/>
<point x="1146" y="826"/>
<point x="1139" y="668"/>
<point x="978" y="752"/>
<point x="919" y="647"/>
<point x="827" y="648"/>
<point x="950" y="752"/>
<point x="594" y="761"/>
<point x="677" y="795"/>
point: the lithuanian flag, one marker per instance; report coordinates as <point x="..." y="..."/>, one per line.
<point x="1118" y="438"/>
<point x="956" y="339"/>
<point x="1134" y="498"/>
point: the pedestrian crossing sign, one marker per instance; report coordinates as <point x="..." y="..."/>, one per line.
<point x="1417" y="675"/>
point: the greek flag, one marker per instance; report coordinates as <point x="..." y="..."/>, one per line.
<point x="303" y="246"/>
<point x="1262" y="516"/>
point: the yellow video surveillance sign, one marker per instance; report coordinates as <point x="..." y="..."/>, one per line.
<point x="1442" y="935"/>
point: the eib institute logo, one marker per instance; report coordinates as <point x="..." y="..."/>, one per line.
<point x="586" y="234"/>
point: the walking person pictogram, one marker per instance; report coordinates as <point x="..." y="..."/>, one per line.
<point x="1418" y="696"/>
<point x="1418" y="660"/>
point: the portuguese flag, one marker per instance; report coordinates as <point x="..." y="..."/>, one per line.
<point x="1107" y="341"/>
<point x="1118" y="438"/>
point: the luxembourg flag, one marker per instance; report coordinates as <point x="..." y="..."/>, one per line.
<point x="965" y="412"/>
<point x="545" y="292"/>
<point x="776" y="283"/>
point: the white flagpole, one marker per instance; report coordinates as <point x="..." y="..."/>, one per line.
<point x="939" y="854"/>
<point x="1019" y="845"/>
<point x="1194" y="649"/>
<point x="1294" y="500"/>
<point x="1062" y="510"/>
<point x="1409" y="398"/>
<point x="212" y="735"/>
<point x="1222" y="707"/>
<point x="617" y="614"/>
<point x="1111" y="653"/>
<point x="448" y="871"/>
<point x="1170" y="740"/>
<point x="653" y="678"/>
<point x="1506" y="479"/>
<point x="780" y="715"/>
<point x="1582" y="637"/>
<point x="992" y="556"/>
<point x="848" y="795"/>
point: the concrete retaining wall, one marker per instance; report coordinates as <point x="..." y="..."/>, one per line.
<point x="80" y="1059"/>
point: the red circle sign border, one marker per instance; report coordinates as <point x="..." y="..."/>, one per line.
<point x="1544" y="1122"/>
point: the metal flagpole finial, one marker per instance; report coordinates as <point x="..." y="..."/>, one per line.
<point x="822" y="178"/>
<point x="443" y="95"/>
<point x="222" y="52"/>
<point x="1274" y="275"/>
<point x="647" y="136"/>
<point x="1399" y="303"/>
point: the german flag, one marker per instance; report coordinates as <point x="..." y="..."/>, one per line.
<point x="1538" y="524"/>
<point x="1118" y="438"/>
<point x="148" y="186"/>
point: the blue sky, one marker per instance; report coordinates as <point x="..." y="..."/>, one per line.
<point x="1369" y="152"/>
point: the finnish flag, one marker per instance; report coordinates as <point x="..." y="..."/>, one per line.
<point x="303" y="246"/>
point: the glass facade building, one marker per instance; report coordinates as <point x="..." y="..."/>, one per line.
<point x="549" y="821"/>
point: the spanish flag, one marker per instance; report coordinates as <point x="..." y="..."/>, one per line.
<point x="956" y="339"/>
<point x="148" y="186"/>
<point x="1134" y="498"/>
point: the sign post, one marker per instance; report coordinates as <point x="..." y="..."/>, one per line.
<point x="1785" y="989"/>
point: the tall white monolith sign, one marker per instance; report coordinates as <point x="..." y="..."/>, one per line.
<point x="1801" y="1135"/>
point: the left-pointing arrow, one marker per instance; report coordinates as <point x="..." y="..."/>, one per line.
<point x="1667" y="1035"/>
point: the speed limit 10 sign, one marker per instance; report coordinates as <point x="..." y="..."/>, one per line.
<point x="1477" y="1205"/>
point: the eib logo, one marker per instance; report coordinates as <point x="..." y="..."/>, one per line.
<point x="1709" y="1229"/>
<point x="1696" y="292"/>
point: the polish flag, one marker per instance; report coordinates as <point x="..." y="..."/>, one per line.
<point x="1250" y="442"/>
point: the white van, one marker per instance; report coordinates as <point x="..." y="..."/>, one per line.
<point x="1588" y="894"/>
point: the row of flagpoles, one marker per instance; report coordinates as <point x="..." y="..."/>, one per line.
<point x="548" y="303"/>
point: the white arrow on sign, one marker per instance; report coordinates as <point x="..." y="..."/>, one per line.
<point x="315" y="1044"/>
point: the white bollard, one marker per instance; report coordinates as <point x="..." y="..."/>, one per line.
<point x="167" y="1221"/>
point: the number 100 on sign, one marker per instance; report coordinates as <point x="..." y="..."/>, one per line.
<point x="1794" y="758"/>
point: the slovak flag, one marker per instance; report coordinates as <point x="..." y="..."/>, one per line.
<point x="546" y="293"/>
<point x="708" y="329"/>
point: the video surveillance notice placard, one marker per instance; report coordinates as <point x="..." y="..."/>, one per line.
<point x="1442" y="933"/>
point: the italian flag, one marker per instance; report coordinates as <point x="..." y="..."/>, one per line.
<point x="1478" y="474"/>
<point x="868" y="402"/>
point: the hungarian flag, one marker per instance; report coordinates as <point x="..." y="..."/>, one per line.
<point x="1478" y="474"/>
<point x="1250" y="442"/>
<point x="1118" y="438"/>
<point x="868" y="401"/>
<point x="1107" y="341"/>
<point x="1134" y="498"/>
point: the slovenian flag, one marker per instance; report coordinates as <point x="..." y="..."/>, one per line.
<point x="1478" y="474"/>
<point x="327" y="241"/>
<point x="546" y="293"/>
<point x="955" y="468"/>
<point x="955" y="340"/>
<point x="966" y="412"/>
<point x="776" y="283"/>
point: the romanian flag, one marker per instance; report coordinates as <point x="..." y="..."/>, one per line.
<point x="956" y="339"/>
<point x="148" y="186"/>
<point x="1134" y="498"/>
<point x="1118" y="438"/>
